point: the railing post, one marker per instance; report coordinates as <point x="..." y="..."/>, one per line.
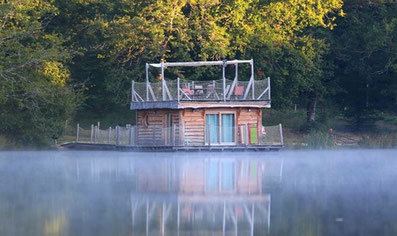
<point x="246" y="134"/>
<point x="92" y="134"/>
<point x="183" y="134"/>
<point x="281" y="135"/>
<point x="95" y="133"/>
<point x="77" y="132"/>
<point x="253" y="79"/>
<point x="129" y="134"/>
<point x="132" y="91"/>
<point x="136" y="135"/>
<point x="109" y="134"/>
<point x="117" y="135"/>
<point x="173" y="134"/>
<point x="224" y="64"/>
<point x="178" y="88"/>
<point x="162" y="80"/>
<point x="147" y="82"/>
<point x="268" y="85"/>
<point x="153" y="135"/>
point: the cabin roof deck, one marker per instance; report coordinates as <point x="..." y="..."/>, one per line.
<point x="180" y="94"/>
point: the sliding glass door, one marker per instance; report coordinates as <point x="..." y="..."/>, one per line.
<point x="220" y="128"/>
<point x="212" y="128"/>
<point x="227" y="128"/>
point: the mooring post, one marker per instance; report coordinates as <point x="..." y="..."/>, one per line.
<point x="92" y="134"/>
<point x="77" y="132"/>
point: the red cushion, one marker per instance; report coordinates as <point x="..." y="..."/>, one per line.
<point x="239" y="90"/>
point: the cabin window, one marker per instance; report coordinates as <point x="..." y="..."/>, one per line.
<point x="220" y="128"/>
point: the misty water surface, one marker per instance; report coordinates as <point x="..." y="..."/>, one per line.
<point x="246" y="193"/>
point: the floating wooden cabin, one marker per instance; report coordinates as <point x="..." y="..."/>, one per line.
<point x="200" y="114"/>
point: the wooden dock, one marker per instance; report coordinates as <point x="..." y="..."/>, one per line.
<point x="127" y="148"/>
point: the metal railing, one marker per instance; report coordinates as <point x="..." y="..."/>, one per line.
<point x="131" y="135"/>
<point x="214" y="90"/>
<point x="182" y="90"/>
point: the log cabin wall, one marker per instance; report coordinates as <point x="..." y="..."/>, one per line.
<point x="193" y="127"/>
<point x="153" y="127"/>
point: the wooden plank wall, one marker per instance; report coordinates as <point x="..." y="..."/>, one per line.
<point x="193" y="122"/>
<point x="155" y="132"/>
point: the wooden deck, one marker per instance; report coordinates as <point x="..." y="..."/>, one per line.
<point x="126" y="148"/>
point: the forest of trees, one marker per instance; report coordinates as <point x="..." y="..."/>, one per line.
<point x="60" y="57"/>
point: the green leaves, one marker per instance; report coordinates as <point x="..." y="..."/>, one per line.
<point x="33" y="76"/>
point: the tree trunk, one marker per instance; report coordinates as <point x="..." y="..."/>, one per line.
<point x="311" y="108"/>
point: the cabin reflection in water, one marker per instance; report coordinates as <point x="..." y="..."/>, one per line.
<point x="202" y="196"/>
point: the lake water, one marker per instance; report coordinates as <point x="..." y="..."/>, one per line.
<point x="248" y="193"/>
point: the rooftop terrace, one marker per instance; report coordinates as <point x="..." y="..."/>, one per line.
<point x="180" y="93"/>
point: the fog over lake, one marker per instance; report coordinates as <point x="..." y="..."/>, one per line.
<point x="344" y="192"/>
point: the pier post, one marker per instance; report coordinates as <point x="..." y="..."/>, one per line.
<point x="77" y="132"/>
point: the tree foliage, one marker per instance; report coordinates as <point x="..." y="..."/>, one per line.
<point x="35" y="99"/>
